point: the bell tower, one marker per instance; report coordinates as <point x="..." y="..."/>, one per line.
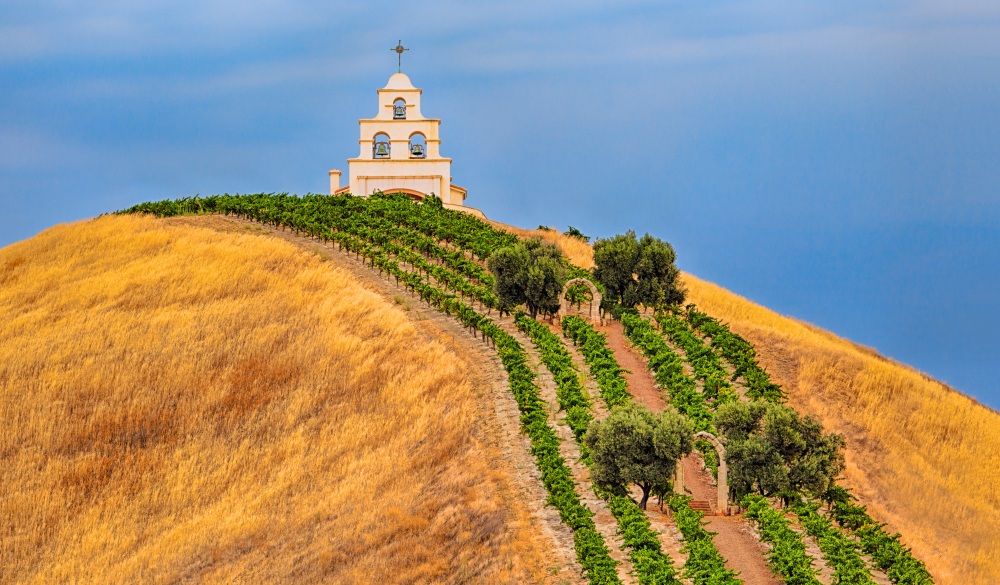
<point x="400" y="150"/>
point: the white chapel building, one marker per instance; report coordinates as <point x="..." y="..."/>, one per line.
<point x="400" y="151"/>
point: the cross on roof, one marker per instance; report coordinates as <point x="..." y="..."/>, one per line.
<point x="399" y="48"/>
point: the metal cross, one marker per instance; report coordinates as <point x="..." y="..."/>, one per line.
<point x="399" y="48"/>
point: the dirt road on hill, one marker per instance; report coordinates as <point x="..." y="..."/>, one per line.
<point x="641" y="384"/>
<point x="734" y="537"/>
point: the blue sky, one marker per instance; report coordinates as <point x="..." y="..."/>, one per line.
<point x="839" y="161"/>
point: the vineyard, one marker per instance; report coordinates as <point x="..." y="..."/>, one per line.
<point x="439" y="255"/>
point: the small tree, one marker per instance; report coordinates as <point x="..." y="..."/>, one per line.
<point x="638" y="271"/>
<point x="531" y="272"/>
<point x="772" y="450"/>
<point x="633" y="445"/>
<point x="575" y="233"/>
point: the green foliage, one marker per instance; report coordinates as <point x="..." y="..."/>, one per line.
<point x="604" y="367"/>
<point x="788" y="556"/>
<point x="668" y="368"/>
<point x="887" y="551"/>
<point x="575" y="233"/>
<point x="635" y="272"/>
<point x="633" y="445"/>
<point x="652" y="567"/>
<point x="530" y="272"/>
<point x="569" y="389"/>
<point x="770" y="449"/>
<point x="579" y="293"/>
<point x="840" y="552"/>
<point x="703" y="359"/>
<point x="704" y="566"/>
<point x="740" y="353"/>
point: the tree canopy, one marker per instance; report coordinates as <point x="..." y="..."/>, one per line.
<point x="772" y="450"/>
<point x="637" y="271"/>
<point x="633" y="445"/>
<point x="530" y="272"/>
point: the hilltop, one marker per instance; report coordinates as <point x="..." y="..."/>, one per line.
<point x="182" y="403"/>
<point x="325" y="394"/>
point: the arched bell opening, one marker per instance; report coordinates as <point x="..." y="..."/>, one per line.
<point x="380" y="146"/>
<point x="418" y="145"/>
<point x="399" y="109"/>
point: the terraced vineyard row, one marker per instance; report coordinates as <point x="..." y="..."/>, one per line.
<point x="704" y="564"/>
<point x="887" y="551"/>
<point x="788" y="553"/>
<point x="650" y="564"/>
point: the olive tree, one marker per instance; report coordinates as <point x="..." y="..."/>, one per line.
<point x="634" y="446"/>
<point x="532" y="273"/>
<point x="638" y="271"/>
<point x="772" y="450"/>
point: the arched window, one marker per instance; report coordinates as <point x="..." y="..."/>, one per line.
<point x="418" y="145"/>
<point x="399" y="109"/>
<point x="380" y="145"/>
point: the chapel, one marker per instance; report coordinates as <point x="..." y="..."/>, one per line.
<point x="400" y="150"/>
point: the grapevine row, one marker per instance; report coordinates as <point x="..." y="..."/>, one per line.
<point x="569" y="390"/>
<point x="668" y="369"/>
<point x="604" y="367"/>
<point x="740" y="353"/>
<point x="705" y="566"/>
<point x="788" y="556"/>
<point x="702" y="358"/>
<point x="888" y="553"/>
<point x="840" y="552"/>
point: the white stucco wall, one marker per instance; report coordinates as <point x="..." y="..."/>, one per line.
<point x="431" y="174"/>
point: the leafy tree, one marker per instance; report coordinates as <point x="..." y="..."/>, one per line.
<point x="772" y="450"/>
<point x="579" y="293"/>
<point x="638" y="271"/>
<point x="575" y="233"/>
<point x="633" y="445"/>
<point x="530" y="272"/>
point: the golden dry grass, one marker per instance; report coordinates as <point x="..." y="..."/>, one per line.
<point x="923" y="457"/>
<point x="179" y="404"/>
<point x="579" y="252"/>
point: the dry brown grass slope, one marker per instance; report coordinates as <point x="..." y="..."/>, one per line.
<point x="179" y="404"/>
<point x="923" y="457"/>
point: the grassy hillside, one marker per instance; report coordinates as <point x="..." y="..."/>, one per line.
<point x="923" y="457"/>
<point x="181" y="404"/>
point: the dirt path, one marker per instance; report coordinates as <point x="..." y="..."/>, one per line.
<point x="735" y="539"/>
<point x="503" y="427"/>
<point x="641" y="384"/>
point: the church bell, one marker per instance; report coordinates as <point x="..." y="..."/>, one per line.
<point x="399" y="112"/>
<point x="381" y="150"/>
<point x="417" y="150"/>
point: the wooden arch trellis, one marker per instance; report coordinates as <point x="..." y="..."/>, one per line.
<point x="594" y="310"/>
